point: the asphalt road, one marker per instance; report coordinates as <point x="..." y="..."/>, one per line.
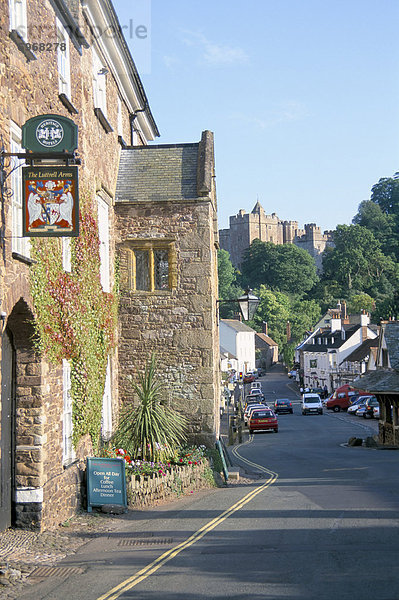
<point x="321" y="522"/>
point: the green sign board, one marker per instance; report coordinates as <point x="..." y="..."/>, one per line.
<point x="106" y="482"/>
<point x="49" y="134"/>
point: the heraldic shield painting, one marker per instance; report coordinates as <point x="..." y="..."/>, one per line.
<point x="50" y="201"/>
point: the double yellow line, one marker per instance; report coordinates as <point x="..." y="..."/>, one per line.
<point x="150" y="569"/>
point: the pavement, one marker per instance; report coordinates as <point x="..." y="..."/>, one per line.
<point x="26" y="556"/>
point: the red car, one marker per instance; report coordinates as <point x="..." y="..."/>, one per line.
<point x="262" y="419"/>
<point x="249" y="378"/>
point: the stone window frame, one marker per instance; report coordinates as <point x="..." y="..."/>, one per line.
<point x="151" y="245"/>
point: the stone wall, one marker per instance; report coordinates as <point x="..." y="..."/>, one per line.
<point x="177" y="324"/>
<point x="45" y="492"/>
<point x="146" y="491"/>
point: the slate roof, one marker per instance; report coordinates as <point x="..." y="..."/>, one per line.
<point x="379" y="381"/>
<point x="391" y="335"/>
<point x="262" y="340"/>
<point x="330" y="336"/>
<point x="226" y="353"/>
<point x="362" y="351"/>
<point x="383" y="380"/>
<point x="237" y="325"/>
<point x="157" y="173"/>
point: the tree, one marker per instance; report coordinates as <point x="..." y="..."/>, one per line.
<point x="359" y="302"/>
<point x="228" y="287"/>
<point x="152" y="430"/>
<point x="381" y="224"/>
<point x="357" y="262"/>
<point x="283" y="268"/>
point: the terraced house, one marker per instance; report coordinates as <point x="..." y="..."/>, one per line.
<point x="61" y="346"/>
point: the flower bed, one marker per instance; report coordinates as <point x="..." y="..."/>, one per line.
<point x="149" y="482"/>
<point x="147" y="490"/>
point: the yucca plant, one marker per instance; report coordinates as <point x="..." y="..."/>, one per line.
<point x="152" y="430"/>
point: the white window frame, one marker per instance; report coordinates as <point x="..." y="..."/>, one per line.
<point x="63" y="60"/>
<point x="19" y="244"/>
<point x="106" y="414"/>
<point x="99" y="83"/>
<point x="18" y="18"/>
<point x="68" y="451"/>
<point x="103" y="233"/>
<point x="120" y="122"/>
<point x="66" y="254"/>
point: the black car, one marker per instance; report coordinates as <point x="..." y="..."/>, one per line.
<point x="283" y="405"/>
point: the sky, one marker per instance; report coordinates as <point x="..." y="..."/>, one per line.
<point x="302" y="96"/>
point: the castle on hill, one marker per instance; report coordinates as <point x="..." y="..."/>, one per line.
<point x="246" y="227"/>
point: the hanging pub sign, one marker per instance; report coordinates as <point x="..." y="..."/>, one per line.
<point x="50" y="133"/>
<point x="50" y="201"/>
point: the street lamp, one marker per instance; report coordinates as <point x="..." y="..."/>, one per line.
<point x="248" y="303"/>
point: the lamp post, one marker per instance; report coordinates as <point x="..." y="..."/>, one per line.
<point x="248" y="303"/>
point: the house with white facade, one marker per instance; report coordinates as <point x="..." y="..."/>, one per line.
<point x="325" y="352"/>
<point x="239" y="340"/>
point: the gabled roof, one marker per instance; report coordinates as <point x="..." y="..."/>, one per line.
<point x="261" y="340"/>
<point x="331" y="340"/>
<point x="362" y="351"/>
<point x="237" y="325"/>
<point x="227" y="354"/>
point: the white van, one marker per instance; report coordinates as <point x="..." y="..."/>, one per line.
<point x="311" y="404"/>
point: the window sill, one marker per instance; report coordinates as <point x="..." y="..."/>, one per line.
<point x="24" y="259"/>
<point x="122" y="142"/>
<point x="22" y="45"/>
<point x="103" y="120"/>
<point x="68" y="104"/>
<point x="70" y="463"/>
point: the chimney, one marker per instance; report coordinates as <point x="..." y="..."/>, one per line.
<point x="288" y="331"/>
<point x="264" y="323"/>
<point x="335" y="324"/>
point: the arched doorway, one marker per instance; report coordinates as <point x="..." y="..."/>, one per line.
<point x="7" y="431"/>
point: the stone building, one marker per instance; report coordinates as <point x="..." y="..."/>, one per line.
<point x="167" y="238"/>
<point x="57" y="57"/>
<point x="246" y="227"/>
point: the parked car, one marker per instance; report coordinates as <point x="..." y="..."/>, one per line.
<point x="369" y="405"/>
<point x="292" y="373"/>
<point x="341" y="398"/>
<point x="283" y="405"/>
<point x="256" y="385"/>
<point x="255" y="398"/>
<point x="255" y="391"/>
<point x="249" y="409"/>
<point x="311" y="404"/>
<point x="321" y="391"/>
<point x="262" y="419"/>
<point x="356" y="404"/>
<point x="249" y="378"/>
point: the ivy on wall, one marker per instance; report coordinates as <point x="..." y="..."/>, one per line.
<point x="74" y="318"/>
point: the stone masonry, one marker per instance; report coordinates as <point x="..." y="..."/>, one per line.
<point x="44" y="491"/>
<point x="246" y="227"/>
<point x="166" y="196"/>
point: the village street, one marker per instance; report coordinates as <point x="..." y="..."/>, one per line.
<point x="311" y="518"/>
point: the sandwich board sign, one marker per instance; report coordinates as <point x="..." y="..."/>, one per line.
<point x="106" y="482"/>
